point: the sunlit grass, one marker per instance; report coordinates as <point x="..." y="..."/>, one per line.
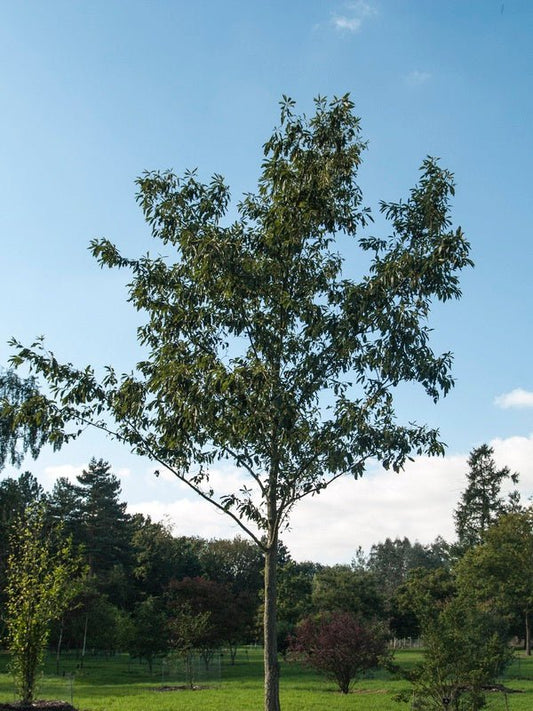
<point x="120" y="684"/>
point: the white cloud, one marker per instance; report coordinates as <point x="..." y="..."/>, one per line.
<point x="417" y="503"/>
<point x="68" y="471"/>
<point x="517" y="454"/>
<point x="353" y="17"/>
<point x="189" y="517"/>
<point x="71" y="471"/>
<point x="516" y="398"/>
<point x="172" y="501"/>
<point x="330" y="527"/>
<point x="417" y="78"/>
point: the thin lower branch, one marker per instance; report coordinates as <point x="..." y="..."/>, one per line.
<point x="246" y="466"/>
<point x="176" y="473"/>
<point x="212" y="501"/>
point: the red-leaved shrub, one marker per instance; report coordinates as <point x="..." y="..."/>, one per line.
<point x="338" y="646"/>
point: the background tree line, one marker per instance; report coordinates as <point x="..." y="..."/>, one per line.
<point x="143" y="583"/>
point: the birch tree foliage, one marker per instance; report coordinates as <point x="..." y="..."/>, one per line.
<point x="43" y="575"/>
<point x="19" y="435"/>
<point x="258" y="348"/>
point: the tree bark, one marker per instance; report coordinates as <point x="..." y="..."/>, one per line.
<point x="270" y="630"/>
<point x="58" y="651"/>
<point x="84" y="640"/>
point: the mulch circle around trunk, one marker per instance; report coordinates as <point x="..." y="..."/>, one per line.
<point x="181" y="687"/>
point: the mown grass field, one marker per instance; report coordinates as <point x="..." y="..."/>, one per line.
<point x="120" y="684"/>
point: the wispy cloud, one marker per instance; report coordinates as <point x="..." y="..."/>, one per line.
<point x="516" y="398"/>
<point x="352" y="16"/>
<point x="350" y="24"/>
<point x="417" y="78"/>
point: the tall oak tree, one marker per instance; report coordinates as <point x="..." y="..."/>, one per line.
<point x="259" y="349"/>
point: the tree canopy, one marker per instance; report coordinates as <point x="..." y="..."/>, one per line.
<point x="499" y="571"/>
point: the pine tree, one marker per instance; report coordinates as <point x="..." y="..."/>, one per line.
<point x="481" y="502"/>
<point x="64" y="506"/>
<point x="105" y="528"/>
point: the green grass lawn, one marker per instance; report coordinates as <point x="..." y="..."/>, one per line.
<point x="120" y="684"/>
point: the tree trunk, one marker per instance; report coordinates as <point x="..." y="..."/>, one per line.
<point x="58" y="651"/>
<point x="270" y="631"/>
<point x="189" y="669"/>
<point x="84" y="640"/>
<point x="528" y="636"/>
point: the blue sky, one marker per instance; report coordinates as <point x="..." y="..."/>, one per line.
<point x="92" y="94"/>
